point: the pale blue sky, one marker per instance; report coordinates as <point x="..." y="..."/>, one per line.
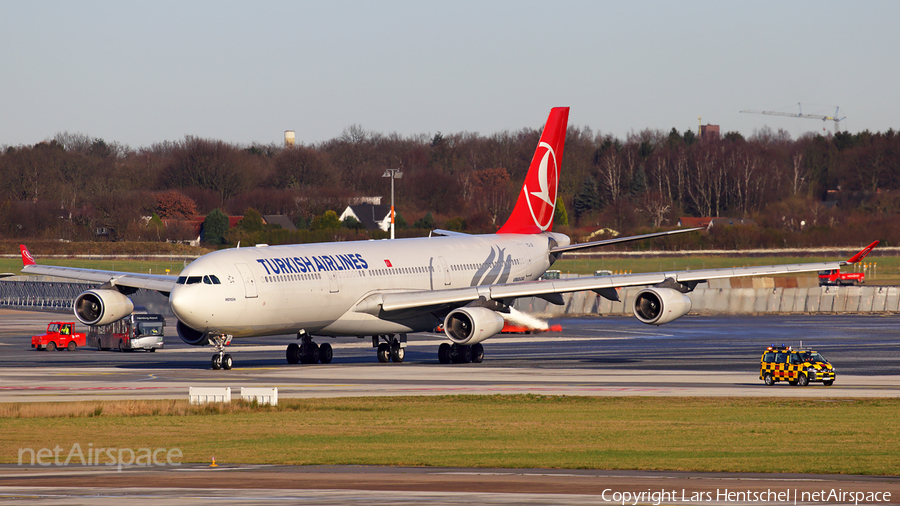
<point x="145" y="72"/>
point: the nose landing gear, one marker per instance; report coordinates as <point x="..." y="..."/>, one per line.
<point x="221" y="360"/>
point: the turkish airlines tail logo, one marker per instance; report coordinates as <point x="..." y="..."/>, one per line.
<point x="27" y="259"/>
<point x="536" y="204"/>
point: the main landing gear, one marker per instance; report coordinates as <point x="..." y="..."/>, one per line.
<point x="460" y="353"/>
<point x="308" y="352"/>
<point x="221" y="360"/>
<point x="393" y="349"/>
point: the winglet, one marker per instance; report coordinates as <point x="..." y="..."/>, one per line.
<point x="862" y="254"/>
<point x="27" y="259"/>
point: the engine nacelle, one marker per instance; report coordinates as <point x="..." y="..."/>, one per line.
<point x="101" y="307"/>
<point x="471" y="325"/>
<point x="655" y="306"/>
<point x="191" y="336"/>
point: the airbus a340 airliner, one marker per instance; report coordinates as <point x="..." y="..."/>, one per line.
<point x="387" y="289"/>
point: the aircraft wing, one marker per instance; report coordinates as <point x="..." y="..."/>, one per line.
<point x="619" y="240"/>
<point x="604" y="285"/>
<point x="158" y="282"/>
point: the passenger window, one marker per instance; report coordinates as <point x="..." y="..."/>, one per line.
<point x="780" y="358"/>
<point x="770" y="357"/>
<point x="795" y="359"/>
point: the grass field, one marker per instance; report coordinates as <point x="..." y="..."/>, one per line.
<point x="885" y="272"/>
<point x="692" y="434"/>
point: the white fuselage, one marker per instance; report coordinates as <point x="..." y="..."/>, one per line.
<point x="269" y="290"/>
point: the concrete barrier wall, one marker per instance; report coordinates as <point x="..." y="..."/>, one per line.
<point x="740" y="300"/>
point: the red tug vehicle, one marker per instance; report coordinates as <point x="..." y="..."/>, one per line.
<point x="59" y="336"/>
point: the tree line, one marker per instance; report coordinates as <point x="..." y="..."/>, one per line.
<point x="815" y="190"/>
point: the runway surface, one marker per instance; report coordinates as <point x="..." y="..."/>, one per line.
<point x="360" y="485"/>
<point x="694" y="356"/>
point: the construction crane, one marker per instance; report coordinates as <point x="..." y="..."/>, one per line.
<point x="835" y="118"/>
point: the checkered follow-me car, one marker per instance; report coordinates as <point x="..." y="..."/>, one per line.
<point x="797" y="367"/>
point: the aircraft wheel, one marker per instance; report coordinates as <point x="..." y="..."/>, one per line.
<point x="477" y="353"/>
<point x="397" y="354"/>
<point x="71" y="346"/>
<point x="463" y="354"/>
<point x="216" y="362"/>
<point x="51" y="346"/>
<point x="309" y="353"/>
<point x="444" y="353"/>
<point x="227" y="362"/>
<point x="325" y="353"/>
<point x="384" y="353"/>
<point x="293" y="353"/>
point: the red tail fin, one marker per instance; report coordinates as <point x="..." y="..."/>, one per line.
<point x="27" y="259"/>
<point x="862" y="254"/>
<point x="534" y="209"/>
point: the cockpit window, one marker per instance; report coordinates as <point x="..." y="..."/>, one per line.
<point x="192" y="280"/>
<point x="214" y="279"/>
<point x="181" y="280"/>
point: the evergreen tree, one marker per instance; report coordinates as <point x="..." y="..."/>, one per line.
<point x="674" y="138"/>
<point x="252" y="221"/>
<point x="352" y="223"/>
<point x="588" y="197"/>
<point x="560" y="216"/>
<point x="426" y="222"/>
<point x="400" y="222"/>
<point x="689" y="137"/>
<point x="639" y="181"/>
<point x="214" y="227"/>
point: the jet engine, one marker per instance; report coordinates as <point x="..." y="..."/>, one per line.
<point x="471" y="325"/>
<point x="101" y="307"/>
<point x="655" y="306"/>
<point x="191" y="336"/>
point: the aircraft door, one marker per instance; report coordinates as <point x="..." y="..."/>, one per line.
<point x="443" y="267"/>
<point x="526" y="258"/>
<point x="334" y="285"/>
<point x="249" y="280"/>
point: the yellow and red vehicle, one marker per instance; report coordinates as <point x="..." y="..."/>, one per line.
<point x="59" y="336"/>
<point x="797" y="367"/>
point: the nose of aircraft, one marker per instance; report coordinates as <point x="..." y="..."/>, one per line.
<point x="180" y="302"/>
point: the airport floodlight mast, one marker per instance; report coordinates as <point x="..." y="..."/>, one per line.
<point x="393" y="174"/>
<point x="835" y="118"/>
